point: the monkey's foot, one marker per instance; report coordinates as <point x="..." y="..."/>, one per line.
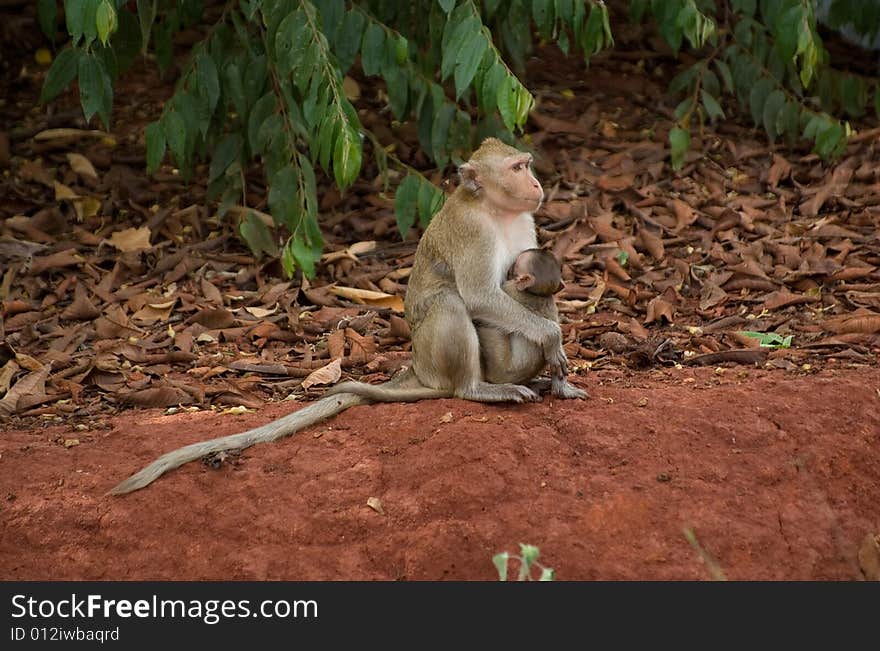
<point x="486" y="392"/>
<point x="541" y="385"/>
<point x="567" y="391"/>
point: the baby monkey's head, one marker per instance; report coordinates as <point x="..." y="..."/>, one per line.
<point x="537" y="272"/>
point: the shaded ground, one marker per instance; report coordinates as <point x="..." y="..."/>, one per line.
<point x="122" y="295"/>
<point x="776" y="475"/>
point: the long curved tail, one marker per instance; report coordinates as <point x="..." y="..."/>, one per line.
<point x="404" y="387"/>
<point x="317" y="411"/>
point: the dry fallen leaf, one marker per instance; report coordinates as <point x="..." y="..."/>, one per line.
<point x="328" y="374"/>
<point x="369" y="297"/>
<point x="6" y="374"/>
<point x="63" y="192"/>
<point x="376" y="504"/>
<point x="55" y="134"/>
<point x="447" y="417"/>
<point x="351" y="89"/>
<point x="32" y="384"/>
<point x="131" y="239"/>
<point x="86" y="207"/>
<point x="260" y="312"/>
<point x="82" y="165"/>
<point x="659" y="309"/>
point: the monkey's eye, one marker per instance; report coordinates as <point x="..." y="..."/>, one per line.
<point x="517" y="167"/>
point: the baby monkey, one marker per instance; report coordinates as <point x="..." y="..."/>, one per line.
<point x="534" y="277"/>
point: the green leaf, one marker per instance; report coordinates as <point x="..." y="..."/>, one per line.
<point x="207" y="80"/>
<point x="405" y="204"/>
<point x="430" y="200"/>
<point x="507" y="100"/>
<point x="684" y="108"/>
<point x="622" y="258"/>
<point x="146" y="10"/>
<point x="462" y="34"/>
<point x="440" y="132"/>
<point x="787" y="31"/>
<point x="79" y="15"/>
<point x="544" y="15"/>
<point x="105" y="20"/>
<point x="348" y="39"/>
<point x="591" y="40"/>
<point x="225" y="153"/>
<point x="175" y="135"/>
<point x="500" y="562"/>
<point x="683" y="80"/>
<point x="788" y="121"/>
<point x="155" y="138"/>
<point x="829" y="139"/>
<point x="373" y="49"/>
<point x="772" y="108"/>
<point x="283" y="189"/>
<point x="257" y="235"/>
<point x="446" y="5"/>
<point x="264" y="107"/>
<point x="255" y="77"/>
<point x="95" y="89"/>
<point x="332" y="12"/>
<point x="757" y="98"/>
<point x="61" y="73"/>
<point x="529" y="554"/>
<point x="679" y="143"/>
<point x="726" y="77"/>
<point x="768" y="339"/>
<point x="398" y="91"/>
<point x="326" y="138"/>
<point x="346" y="158"/>
<point x="713" y="108"/>
<point x="745" y="7"/>
<point x="47" y="14"/>
<point x="291" y="41"/>
<point x="163" y="46"/>
<point x="853" y="95"/>
<point x="235" y="88"/>
<point x="547" y="574"/>
<point x="304" y="255"/>
<point x="489" y="88"/>
<point x="468" y="61"/>
<point x="126" y="40"/>
<point x="637" y="10"/>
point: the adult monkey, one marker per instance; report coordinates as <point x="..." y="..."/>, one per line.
<point x="460" y="263"/>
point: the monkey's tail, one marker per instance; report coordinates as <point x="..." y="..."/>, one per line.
<point x="313" y="413"/>
<point x="405" y="387"/>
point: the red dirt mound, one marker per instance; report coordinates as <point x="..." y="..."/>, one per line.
<point x="777" y="475"/>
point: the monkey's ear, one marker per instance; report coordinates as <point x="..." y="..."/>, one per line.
<point x="523" y="281"/>
<point x="469" y="180"/>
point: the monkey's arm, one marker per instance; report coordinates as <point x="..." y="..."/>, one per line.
<point x="488" y="304"/>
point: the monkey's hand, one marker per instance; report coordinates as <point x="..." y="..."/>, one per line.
<point x="553" y="352"/>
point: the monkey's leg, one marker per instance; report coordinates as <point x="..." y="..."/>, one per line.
<point x="446" y="355"/>
<point x="508" y="358"/>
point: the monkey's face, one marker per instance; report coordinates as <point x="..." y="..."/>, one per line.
<point x="503" y="177"/>
<point x="513" y="186"/>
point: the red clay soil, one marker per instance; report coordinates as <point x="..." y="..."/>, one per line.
<point x="777" y="474"/>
